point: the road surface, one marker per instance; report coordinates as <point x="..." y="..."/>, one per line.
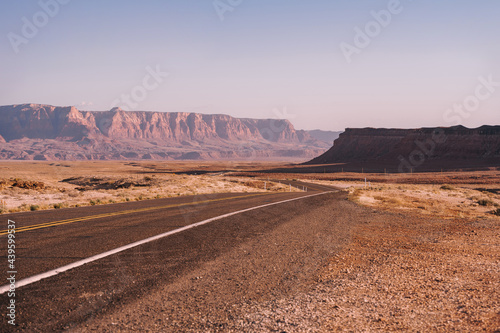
<point x="48" y="240"/>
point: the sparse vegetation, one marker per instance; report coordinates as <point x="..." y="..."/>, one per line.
<point x="58" y="205"/>
<point x="485" y="202"/>
<point x="34" y="207"/>
<point x="463" y="202"/>
<point x="106" y="182"/>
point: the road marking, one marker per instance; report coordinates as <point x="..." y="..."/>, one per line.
<point x="315" y="187"/>
<point x="312" y="187"/>
<point x="93" y="217"/>
<point x="79" y="263"/>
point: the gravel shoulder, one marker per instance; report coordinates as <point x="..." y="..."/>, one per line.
<point x="340" y="267"/>
<point x="409" y="273"/>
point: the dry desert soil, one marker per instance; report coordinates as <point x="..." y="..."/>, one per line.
<point x="414" y="253"/>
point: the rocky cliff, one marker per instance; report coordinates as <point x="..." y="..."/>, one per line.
<point x="34" y="131"/>
<point x="407" y="150"/>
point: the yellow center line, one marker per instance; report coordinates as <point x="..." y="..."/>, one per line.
<point x="307" y="185"/>
<point x="313" y="188"/>
<point x="319" y="189"/>
<point x="93" y="217"/>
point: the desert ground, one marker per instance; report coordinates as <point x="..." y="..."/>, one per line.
<point x="426" y="256"/>
<point x="28" y="186"/>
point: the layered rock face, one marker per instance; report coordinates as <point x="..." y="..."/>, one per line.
<point x="34" y="131"/>
<point x="407" y="150"/>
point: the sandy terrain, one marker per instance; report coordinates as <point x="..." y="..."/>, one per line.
<point x="417" y="274"/>
<point x="446" y="201"/>
<point x="486" y="177"/>
<point x="336" y="267"/>
<point x="418" y="253"/>
<point x="46" y="185"/>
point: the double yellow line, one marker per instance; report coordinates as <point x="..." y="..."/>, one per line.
<point x="124" y="212"/>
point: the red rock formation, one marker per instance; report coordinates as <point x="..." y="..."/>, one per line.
<point x="424" y="149"/>
<point x="140" y="134"/>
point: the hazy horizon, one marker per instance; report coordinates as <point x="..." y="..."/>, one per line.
<point x="321" y="65"/>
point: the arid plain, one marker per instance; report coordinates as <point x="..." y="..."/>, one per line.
<point x="424" y="254"/>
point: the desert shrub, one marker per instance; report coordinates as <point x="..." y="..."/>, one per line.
<point x="496" y="212"/>
<point x="354" y="194"/>
<point x="57" y="205"/>
<point x="34" y="207"/>
<point x="447" y="187"/>
<point x="485" y="202"/>
<point x="255" y="184"/>
<point x="393" y="201"/>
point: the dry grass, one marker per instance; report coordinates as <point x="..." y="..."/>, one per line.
<point x="487" y="178"/>
<point x="459" y="200"/>
<point x="55" y="185"/>
<point x="28" y="186"/>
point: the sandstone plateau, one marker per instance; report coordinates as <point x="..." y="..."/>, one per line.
<point x="413" y="150"/>
<point x="44" y="132"/>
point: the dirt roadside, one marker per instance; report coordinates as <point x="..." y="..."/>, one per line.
<point x="340" y="267"/>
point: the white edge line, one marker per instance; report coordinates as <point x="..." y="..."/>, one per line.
<point x="41" y="276"/>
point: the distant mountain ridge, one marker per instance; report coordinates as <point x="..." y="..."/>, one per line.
<point x="325" y="136"/>
<point x="45" y="132"/>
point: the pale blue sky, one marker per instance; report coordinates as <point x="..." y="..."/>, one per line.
<point x="267" y="58"/>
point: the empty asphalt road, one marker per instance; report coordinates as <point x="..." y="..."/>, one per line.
<point x="48" y="240"/>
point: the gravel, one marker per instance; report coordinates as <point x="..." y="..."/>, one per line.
<point x="336" y="267"/>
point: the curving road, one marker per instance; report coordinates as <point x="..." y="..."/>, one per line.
<point x="48" y="240"/>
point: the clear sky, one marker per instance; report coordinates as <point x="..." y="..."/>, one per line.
<point x="326" y="64"/>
